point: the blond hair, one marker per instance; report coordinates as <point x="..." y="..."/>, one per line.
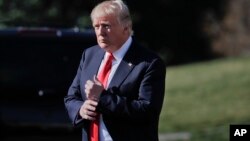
<point x="113" y="7"/>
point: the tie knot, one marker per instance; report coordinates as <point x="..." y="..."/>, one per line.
<point x="110" y="56"/>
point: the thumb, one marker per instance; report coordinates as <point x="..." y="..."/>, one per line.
<point x="96" y="80"/>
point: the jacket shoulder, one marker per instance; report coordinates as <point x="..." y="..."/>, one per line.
<point x="144" y="54"/>
<point x="92" y="49"/>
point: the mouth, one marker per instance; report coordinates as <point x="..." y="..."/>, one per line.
<point x="102" y="41"/>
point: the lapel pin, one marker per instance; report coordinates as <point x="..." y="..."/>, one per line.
<point x="130" y="64"/>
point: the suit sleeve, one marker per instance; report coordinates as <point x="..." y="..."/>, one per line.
<point x="73" y="101"/>
<point x="147" y="98"/>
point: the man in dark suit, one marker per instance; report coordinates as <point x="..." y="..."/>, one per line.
<point x="121" y="102"/>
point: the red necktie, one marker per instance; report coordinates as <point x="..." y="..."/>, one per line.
<point x="103" y="76"/>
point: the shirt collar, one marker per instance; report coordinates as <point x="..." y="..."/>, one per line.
<point x="119" y="54"/>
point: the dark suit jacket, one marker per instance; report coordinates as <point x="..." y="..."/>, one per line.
<point x="132" y="103"/>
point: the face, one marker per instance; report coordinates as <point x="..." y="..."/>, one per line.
<point x="109" y="33"/>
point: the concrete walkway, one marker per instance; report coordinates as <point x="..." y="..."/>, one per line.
<point x="180" y="136"/>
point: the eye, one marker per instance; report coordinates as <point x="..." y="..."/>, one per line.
<point x="106" y="26"/>
<point x="96" y="27"/>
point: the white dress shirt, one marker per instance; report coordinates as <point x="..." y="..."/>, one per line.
<point x="118" y="55"/>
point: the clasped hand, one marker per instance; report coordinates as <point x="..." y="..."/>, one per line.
<point x="93" y="89"/>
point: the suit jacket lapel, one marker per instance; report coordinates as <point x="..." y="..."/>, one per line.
<point x="124" y="68"/>
<point x="121" y="73"/>
<point x="94" y="64"/>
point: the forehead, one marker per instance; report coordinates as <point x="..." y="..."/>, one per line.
<point x="112" y="19"/>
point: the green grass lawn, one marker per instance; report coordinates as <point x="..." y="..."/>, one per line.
<point x="205" y="98"/>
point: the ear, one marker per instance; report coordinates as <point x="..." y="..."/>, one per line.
<point x="126" y="29"/>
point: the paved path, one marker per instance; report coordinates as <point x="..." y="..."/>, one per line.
<point x="180" y="136"/>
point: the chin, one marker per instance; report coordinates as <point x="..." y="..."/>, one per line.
<point x="102" y="45"/>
